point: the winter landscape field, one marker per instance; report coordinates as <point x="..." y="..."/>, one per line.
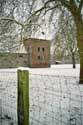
<point x="56" y="97"/>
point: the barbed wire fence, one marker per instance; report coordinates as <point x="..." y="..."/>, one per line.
<point x="54" y="100"/>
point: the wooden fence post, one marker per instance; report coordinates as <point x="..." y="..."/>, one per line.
<point x="23" y="97"/>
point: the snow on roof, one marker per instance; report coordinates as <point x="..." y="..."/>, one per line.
<point x="36" y="39"/>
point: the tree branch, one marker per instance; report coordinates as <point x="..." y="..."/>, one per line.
<point x="11" y="19"/>
<point x="65" y="3"/>
<point x="80" y="5"/>
<point x="43" y="8"/>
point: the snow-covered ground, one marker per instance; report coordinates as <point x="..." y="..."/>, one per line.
<point x="58" y="70"/>
<point x="8" y="97"/>
<point x="56" y="98"/>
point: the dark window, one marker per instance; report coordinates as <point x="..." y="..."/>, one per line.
<point x="39" y="57"/>
<point x="43" y="49"/>
<point x="38" y="49"/>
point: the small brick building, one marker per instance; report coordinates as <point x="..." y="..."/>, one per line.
<point x="38" y="52"/>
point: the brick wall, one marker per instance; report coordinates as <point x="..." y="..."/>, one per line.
<point x="13" y="60"/>
<point x="38" y="55"/>
<point x="41" y="57"/>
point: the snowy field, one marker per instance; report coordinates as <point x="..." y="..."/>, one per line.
<point x="56" y="98"/>
<point x="58" y="70"/>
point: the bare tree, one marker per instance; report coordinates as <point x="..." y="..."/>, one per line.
<point x="65" y="38"/>
<point x="75" y="7"/>
<point x="14" y="23"/>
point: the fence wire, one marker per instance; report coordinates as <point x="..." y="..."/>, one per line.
<point x="8" y="98"/>
<point x="55" y="100"/>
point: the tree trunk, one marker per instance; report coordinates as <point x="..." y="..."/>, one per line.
<point x="81" y="66"/>
<point x="80" y="46"/>
<point x="73" y="60"/>
<point x="79" y="26"/>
